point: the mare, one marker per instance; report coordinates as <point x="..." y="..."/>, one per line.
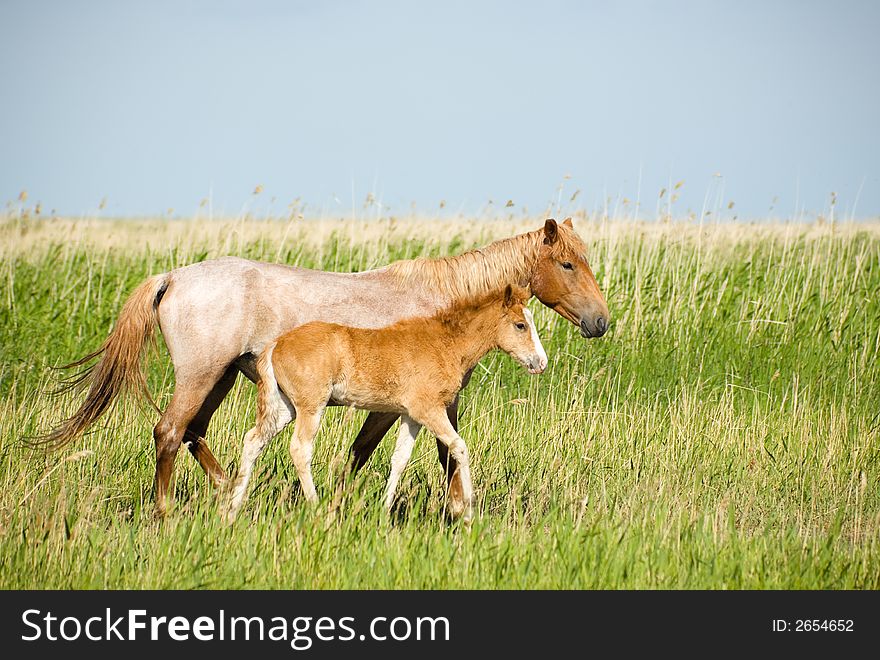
<point x="217" y="316"/>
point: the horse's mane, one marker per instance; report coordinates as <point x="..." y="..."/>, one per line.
<point x="480" y="271"/>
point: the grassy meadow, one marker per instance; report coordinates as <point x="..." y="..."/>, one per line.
<point x="725" y="433"/>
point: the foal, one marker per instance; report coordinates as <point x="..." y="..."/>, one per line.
<point x="414" y="367"/>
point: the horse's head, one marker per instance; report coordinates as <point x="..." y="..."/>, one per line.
<point x="517" y="335"/>
<point x="564" y="281"/>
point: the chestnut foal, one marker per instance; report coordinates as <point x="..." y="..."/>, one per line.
<point x="414" y="367"/>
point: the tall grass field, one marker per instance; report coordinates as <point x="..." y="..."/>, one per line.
<point x="724" y="434"/>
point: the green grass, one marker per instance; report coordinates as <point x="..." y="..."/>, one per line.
<point x="724" y="434"/>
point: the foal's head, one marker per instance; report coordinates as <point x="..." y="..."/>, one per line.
<point x="516" y="333"/>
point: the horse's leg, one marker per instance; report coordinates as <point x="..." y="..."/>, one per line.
<point x="409" y="429"/>
<point x="453" y="479"/>
<point x="271" y="420"/>
<point x="437" y="422"/>
<point x="375" y="427"/>
<point x="198" y="427"/>
<point x="301" y="446"/>
<point x="189" y="396"/>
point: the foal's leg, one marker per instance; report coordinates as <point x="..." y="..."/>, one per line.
<point x="453" y="478"/>
<point x="301" y="446"/>
<point x="195" y="432"/>
<point x="272" y="417"/>
<point x="437" y="422"/>
<point x="409" y="429"/>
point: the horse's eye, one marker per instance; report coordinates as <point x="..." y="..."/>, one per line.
<point x="520" y="326"/>
<point x="568" y="266"/>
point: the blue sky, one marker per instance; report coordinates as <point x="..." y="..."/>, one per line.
<point x="156" y="105"/>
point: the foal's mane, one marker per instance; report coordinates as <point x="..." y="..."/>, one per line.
<point x="457" y="313"/>
<point x="461" y="309"/>
<point x="480" y="271"/>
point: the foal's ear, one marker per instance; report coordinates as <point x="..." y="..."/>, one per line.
<point x="509" y="296"/>
<point x="567" y="223"/>
<point x="551" y="231"/>
<point x="516" y="295"/>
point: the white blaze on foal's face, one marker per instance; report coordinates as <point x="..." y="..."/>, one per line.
<point x="539" y="358"/>
<point x="518" y="337"/>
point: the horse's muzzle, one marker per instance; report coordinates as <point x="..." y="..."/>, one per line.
<point x="596" y="328"/>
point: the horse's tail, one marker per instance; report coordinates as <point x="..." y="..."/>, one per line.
<point x="119" y="367"/>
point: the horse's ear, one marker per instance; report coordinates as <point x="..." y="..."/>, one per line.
<point x="567" y="223"/>
<point x="551" y="231"/>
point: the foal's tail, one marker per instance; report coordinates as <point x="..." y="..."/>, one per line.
<point x="119" y="367"/>
<point x="267" y="386"/>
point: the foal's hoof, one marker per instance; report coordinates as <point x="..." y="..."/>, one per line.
<point x="227" y="509"/>
<point x="460" y="511"/>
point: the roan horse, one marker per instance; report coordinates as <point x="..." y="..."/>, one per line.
<point x="413" y="368"/>
<point x="217" y="316"/>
